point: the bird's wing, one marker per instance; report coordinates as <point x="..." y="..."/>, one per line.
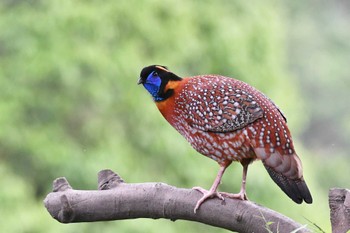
<point x="220" y="104"/>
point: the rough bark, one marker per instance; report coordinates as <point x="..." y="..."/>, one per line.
<point x="117" y="200"/>
<point x="339" y="203"/>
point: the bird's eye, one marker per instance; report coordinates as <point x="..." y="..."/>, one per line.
<point x="155" y="74"/>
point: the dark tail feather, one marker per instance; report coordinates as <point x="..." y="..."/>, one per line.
<point x="296" y="189"/>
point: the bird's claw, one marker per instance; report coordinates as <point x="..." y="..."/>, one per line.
<point x="241" y="195"/>
<point x="206" y="195"/>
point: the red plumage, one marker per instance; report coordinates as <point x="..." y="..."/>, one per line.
<point x="228" y="120"/>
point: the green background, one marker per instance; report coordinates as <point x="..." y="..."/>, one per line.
<point x="70" y="106"/>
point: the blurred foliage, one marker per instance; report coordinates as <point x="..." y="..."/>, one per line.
<point x="70" y="105"/>
<point x="319" y="38"/>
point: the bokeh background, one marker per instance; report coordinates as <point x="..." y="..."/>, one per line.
<point x="70" y="106"/>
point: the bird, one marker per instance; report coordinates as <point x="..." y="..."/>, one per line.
<point x="228" y="121"/>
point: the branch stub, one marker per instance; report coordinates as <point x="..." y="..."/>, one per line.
<point x="107" y="179"/>
<point x="60" y="185"/>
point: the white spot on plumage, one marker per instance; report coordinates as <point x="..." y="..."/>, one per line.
<point x="218" y="153"/>
<point x="233" y="152"/>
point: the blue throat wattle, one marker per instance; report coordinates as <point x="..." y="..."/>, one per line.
<point x="153" y="89"/>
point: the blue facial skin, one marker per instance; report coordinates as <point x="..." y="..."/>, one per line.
<point x="152" y="85"/>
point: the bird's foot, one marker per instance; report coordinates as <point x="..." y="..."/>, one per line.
<point x="241" y="195"/>
<point x="206" y="195"/>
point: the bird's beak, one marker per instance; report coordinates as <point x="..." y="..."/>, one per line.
<point x="140" y="81"/>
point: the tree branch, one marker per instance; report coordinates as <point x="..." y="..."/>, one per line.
<point x="339" y="203"/>
<point x="118" y="200"/>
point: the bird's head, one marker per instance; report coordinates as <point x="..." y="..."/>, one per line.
<point x="155" y="79"/>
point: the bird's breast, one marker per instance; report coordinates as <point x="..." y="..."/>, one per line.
<point x="168" y="106"/>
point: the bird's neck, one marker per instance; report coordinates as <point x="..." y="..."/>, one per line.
<point x="165" y="88"/>
<point x="166" y="107"/>
<point x="165" y="91"/>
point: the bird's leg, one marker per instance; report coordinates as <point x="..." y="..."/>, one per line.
<point x="242" y="195"/>
<point x="212" y="191"/>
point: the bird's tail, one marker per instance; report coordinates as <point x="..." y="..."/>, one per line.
<point x="296" y="188"/>
<point x="287" y="172"/>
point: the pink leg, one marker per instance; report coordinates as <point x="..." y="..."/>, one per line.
<point x="212" y="191"/>
<point x="242" y="195"/>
